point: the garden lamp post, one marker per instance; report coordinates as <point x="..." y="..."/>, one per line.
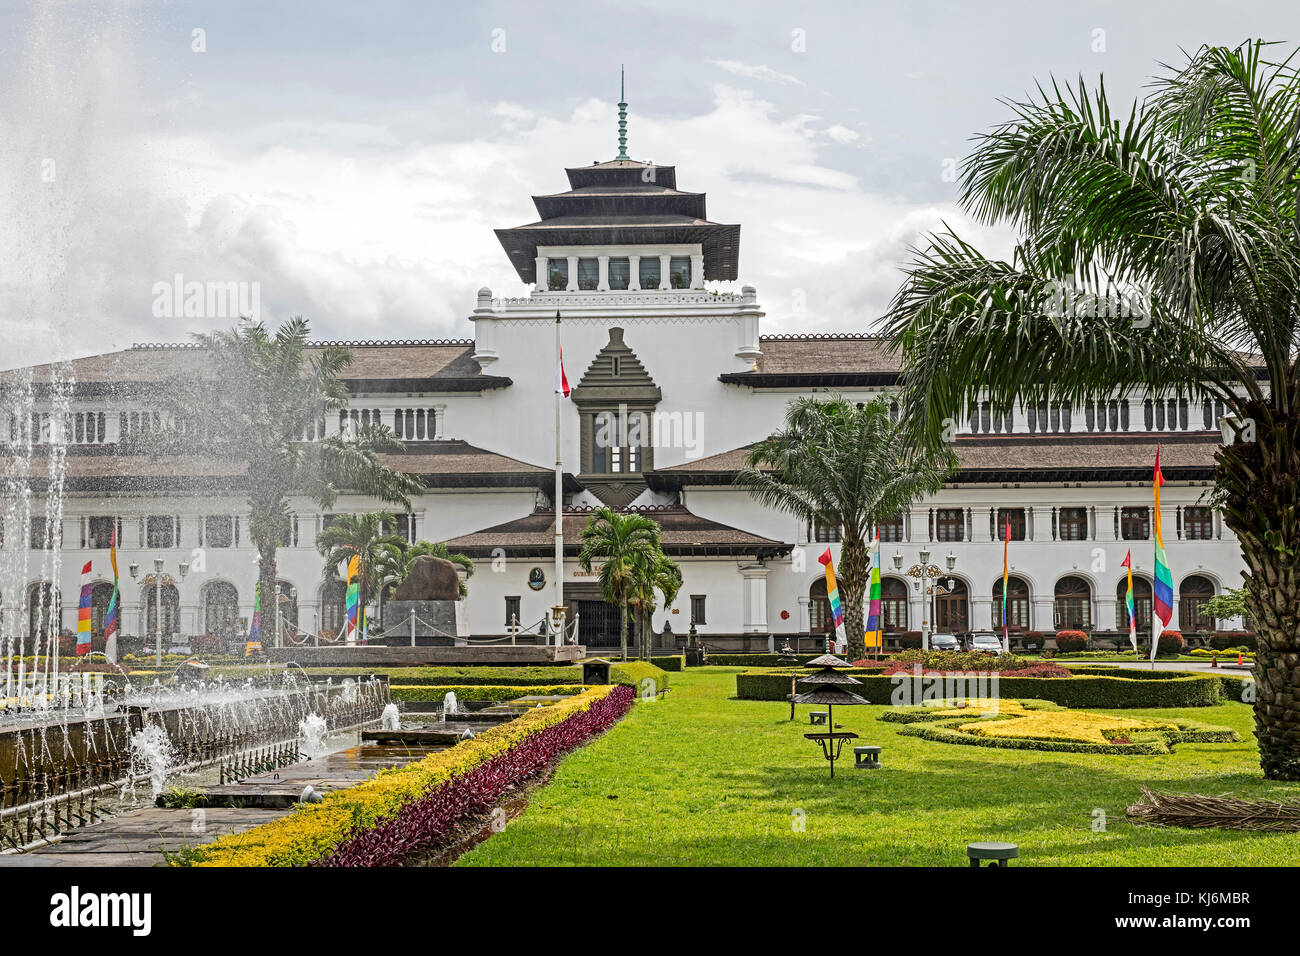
<point x="158" y="565"/>
<point x="919" y="573"/>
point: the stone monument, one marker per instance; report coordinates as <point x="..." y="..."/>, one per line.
<point x="422" y="610"/>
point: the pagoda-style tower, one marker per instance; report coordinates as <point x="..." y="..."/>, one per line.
<point x="623" y="225"/>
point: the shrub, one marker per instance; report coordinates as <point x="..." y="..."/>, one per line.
<point x="956" y="661"/>
<point x="1091" y="688"/>
<point x="489" y="692"/>
<point x="676" y="662"/>
<point x="207" y="643"/>
<point x="1223" y="640"/>
<point x="1067" y="642"/>
<point x="634" y="674"/>
<point x="910" y="640"/>
<point x="1171" y="642"/>
<point x="755" y="660"/>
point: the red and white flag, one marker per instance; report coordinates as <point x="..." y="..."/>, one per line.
<point x="561" y="380"/>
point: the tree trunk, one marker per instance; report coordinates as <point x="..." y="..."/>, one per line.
<point x="622" y="628"/>
<point x="266" y="580"/>
<point x="1262" y="481"/>
<point x="851" y="577"/>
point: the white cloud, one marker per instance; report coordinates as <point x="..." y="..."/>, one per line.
<point x="762" y="72"/>
<point x="842" y="134"/>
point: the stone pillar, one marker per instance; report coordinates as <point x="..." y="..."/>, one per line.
<point x="602" y="281"/>
<point x="1106" y="613"/>
<point x="573" y="274"/>
<point x="1042" y="526"/>
<point x="980" y="525"/>
<point x="1041" y="614"/>
<point x="664" y="263"/>
<point x="697" y="271"/>
<point x="805" y="615"/>
<point x="634" y="273"/>
<point x="1104" y="526"/>
<point x="541" y="283"/>
<point x="754" y="598"/>
<point x="982" y="612"/>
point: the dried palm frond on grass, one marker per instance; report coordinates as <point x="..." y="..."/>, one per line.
<point x="1225" y="813"/>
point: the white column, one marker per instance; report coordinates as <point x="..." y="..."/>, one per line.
<point x="1106" y="613"/>
<point x="1043" y="525"/>
<point x="805" y="615"/>
<point x="602" y="283"/>
<point x="541" y="283"/>
<point x="754" y="598"/>
<point x="980" y="530"/>
<point x="663" y="272"/>
<point x="982" y="612"/>
<point x="634" y="273"/>
<point x="1040" y="614"/>
<point x="1105" y="525"/>
<point x="697" y="272"/>
<point x="573" y="274"/>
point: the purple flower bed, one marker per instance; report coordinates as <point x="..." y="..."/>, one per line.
<point x="425" y="824"/>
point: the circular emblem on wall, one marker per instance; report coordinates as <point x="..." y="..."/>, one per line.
<point x="537" y="579"/>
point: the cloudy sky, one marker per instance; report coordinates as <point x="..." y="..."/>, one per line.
<point x="352" y="158"/>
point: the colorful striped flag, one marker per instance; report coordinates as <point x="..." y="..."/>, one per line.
<point x="875" y="626"/>
<point x="833" y="596"/>
<point x="1128" y="602"/>
<point x="254" y="643"/>
<point x="84" y="610"/>
<point x="1006" y="578"/>
<point x="1162" y="594"/>
<point x="352" y="598"/>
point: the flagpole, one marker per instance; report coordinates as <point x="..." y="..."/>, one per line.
<point x="559" y="501"/>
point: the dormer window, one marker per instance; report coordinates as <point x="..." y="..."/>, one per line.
<point x="679" y="272"/>
<point x="557" y="275"/>
<point x="620" y="272"/>
<point x="588" y="274"/>
<point x="649" y="272"/>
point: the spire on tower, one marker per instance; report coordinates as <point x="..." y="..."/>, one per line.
<point x="622" y="118"/>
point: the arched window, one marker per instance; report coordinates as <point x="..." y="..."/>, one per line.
<point x="1196" y="589"/>
<point x="221" y="609"/>
<point x="1141" y="604"/>
<point x="893" y="604"/>
<point x="1017" y="604"/>
<point x="1073" y="604"/>
<point x="819" y="609"/>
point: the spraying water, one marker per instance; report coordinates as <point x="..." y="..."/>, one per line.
<point x="152" y="755"/>
<point x="389" y="720"/>
<point x="311" y="735"/>
<point x="449" y="704"/>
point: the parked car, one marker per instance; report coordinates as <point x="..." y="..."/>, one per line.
<point x="944" y="642"/>
<point x="984" y="642"/>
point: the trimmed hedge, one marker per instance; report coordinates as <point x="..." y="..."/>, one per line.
<point x="490" y="692"/>
<point x="676" y="662"/>
<point x="634" y="674"/>
<point x="1162" y="689"/>
<point x="755" y="660"/>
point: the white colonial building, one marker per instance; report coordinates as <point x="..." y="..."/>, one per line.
<point x="626" y="259"/>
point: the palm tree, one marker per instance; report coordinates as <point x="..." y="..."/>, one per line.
<point x="1183" y="207"/>
<point x="626" y="544"/>
<point x="842" y="464"/>
<point x="653" y="573"/>
<point x="366" y="536"/>
<point x="261" y="395"/>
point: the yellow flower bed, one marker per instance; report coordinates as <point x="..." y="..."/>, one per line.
<point x="1079" y="726"/>
<point x="311" y="831"/>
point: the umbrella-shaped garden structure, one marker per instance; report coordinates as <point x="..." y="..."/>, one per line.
<point x="828" y="686"/>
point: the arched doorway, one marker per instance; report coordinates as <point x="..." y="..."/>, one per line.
<point x="100" y="596"/>
<point x="288" y="606"/>
<point x="221" y="610"/>
<point x="1141" y="604"/>
<point x="893" y="604"/>
<point x="171" y="609"/>
<point x="332" y="608"/>
<point x="1017" y="604"/>
<point x="1196" y="589"/>
<point x="820" y="620"/>
<point x="1073" y="604"/>
<point x="952" y="610"/>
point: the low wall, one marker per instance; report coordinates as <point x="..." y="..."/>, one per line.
<point x="380" y="656"/>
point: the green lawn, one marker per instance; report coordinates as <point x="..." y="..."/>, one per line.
<point x="700" y="778"/>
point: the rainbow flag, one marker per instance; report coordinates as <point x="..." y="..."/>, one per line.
<point x="875" y="626"/>
<point x="352" y="599"/>
<point x="1006" y="577"/>
<point x="833" y="596"/>
<point x="110" y="617"/>
<point x="84" y="609"/>
<point x="1163" y="593"/>
<point x="254" y="643"/>
<point x="1128" y="602"/>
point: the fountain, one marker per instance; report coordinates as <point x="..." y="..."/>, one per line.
<point x="449" y="705"/>
<point x="311" y="735"/>
<point x="152" y="756"/>
<point x="389" y="719"/>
